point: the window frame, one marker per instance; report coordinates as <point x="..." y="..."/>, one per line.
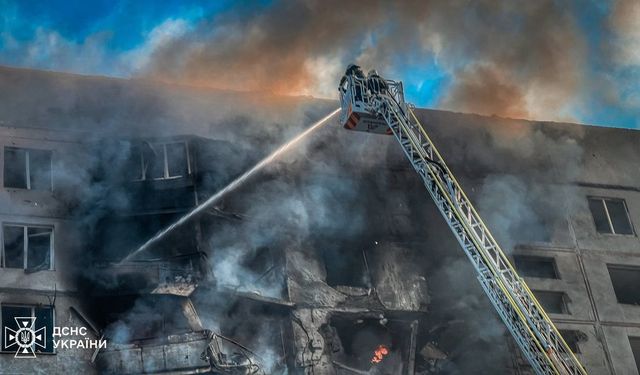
<point x="603" y="200"/>
<point x="552" y="259"/>
<point x="564" y="299"/>
<point x="620" y="267"/>
<point x="575" y="332"/>
<point x="165" y="162"/>
<point x="25" y="245"/>
<point x="363" y="263"/>
<point x="33" y="308"/>
<point x="635" y="339"/>
<point x="27" y="166"/>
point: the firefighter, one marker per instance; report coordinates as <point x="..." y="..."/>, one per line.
<point x="376" y="84"/>
<point x="355" y="71"/>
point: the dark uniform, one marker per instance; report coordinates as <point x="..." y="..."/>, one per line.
<point x="376" y="84"/>
<point x="355" y="71"/>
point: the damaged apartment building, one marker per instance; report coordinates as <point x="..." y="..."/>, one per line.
<point x="333" y="260"/>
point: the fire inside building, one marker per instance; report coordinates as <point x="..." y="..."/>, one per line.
<point x="331" y="260"/>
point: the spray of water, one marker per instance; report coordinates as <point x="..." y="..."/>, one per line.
<point x="233" y="185"/>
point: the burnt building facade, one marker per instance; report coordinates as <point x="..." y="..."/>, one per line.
<point x="333" y="260"/>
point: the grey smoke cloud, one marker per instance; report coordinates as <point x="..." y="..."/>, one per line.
<point x="518" y="174"/>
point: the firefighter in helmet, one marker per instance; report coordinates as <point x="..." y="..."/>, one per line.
<point x="355" y="71"/>
<point x="376" y="84"/>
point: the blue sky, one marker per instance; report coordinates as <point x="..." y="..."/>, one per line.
<point x="178" y="40"/>
<point x="128" y="22"/>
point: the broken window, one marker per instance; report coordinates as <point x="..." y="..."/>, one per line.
<point x="552" y="302"/>
<point x="533" y="266"/>
<point x="572" y="338"/>
<point x="157" y="161"/>
<point x="625" y="282"/>
<point x="635" y="349"/>
<point x="610" y="215"/>
<point x="260" y="261"/>
<point x="263" y="265"/>
<point x="43" y="318"/>
<point x="346" y="267"/>
<point x="176" y="164"/>
<point x="27" y="168"/>
<point x="27" y="247"/>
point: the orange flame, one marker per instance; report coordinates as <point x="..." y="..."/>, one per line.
<point x="379" y="354"/>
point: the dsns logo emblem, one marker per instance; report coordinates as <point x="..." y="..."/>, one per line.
<point x="25" y="338"/>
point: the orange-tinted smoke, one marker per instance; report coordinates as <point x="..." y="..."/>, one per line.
<point x="513" y="59"/>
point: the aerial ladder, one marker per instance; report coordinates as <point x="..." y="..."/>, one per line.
<point x="377" y="105"/>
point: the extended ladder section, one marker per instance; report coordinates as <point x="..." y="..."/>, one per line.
<point x="527" y="321"/>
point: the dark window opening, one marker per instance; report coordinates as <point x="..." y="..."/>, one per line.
<point x="346" y="267"/>
<point x="599" y="215"/>
<point x="13" y="254"/>
<point x="155" y="161"/>
<point x="532" y="266"/>
<point x="552" y="302"/>
<point x="38" y="248"/>
<point x="39" y="170"/>
<point x="625" y="282"/>
<point x="610" y="216"/>
<point x="27" y="247"/>
<point x="158" y="161"/>
<point x="15" y="168"/>
<point x="176" y="156"/>
<point x="260" y="262"/>
<point x="635" y="349"/>
<point x="572" y="338"/>
<point x="264" y="271"/>
<point x="44" y="319"/>
<point x="27" y="168"/>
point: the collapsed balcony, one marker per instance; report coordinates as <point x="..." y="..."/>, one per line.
<point x="187" y="353"/>
<point x="181" y="353"/>
<point x="156" y="333"/>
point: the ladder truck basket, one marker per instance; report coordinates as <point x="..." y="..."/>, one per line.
<point x="356" y="111"/>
